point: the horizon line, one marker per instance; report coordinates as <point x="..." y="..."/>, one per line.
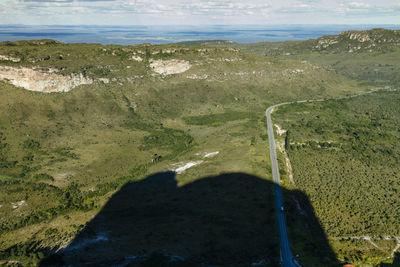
<point x="252" y="24"/>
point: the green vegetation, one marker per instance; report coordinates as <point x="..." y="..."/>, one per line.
<point x="369" y="56"/>
<point x="43" y="176"/>
<point x="345" y="156"/>
<point x="216" y="119"/>
<point x="64" y="155"/>
<point x="175" y="140"/>
<point x="375" y="40"/>
<point x="372" y="67"/>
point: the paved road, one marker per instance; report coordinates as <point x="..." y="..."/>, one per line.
<point x="286" y="253"/>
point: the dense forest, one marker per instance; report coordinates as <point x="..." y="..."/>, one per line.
<point x="345" y="155"/>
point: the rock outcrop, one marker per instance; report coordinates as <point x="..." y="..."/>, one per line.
<point x="359" y="41"/>
<point x="9" y="58"/>
<point x="42" y="81"/>
<point x="167" y="67"/>
<point x="137" y="58"/>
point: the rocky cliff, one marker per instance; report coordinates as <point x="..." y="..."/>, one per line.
<point x="42" y="81"/>
<point x="359" y="41"/>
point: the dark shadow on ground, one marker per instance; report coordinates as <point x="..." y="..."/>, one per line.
<point x="225" y="220"/>
<point x="396" y="261"/>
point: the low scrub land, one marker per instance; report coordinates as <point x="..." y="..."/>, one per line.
<point x="345" y="156"/>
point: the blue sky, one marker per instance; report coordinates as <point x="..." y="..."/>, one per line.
<point x="198" y="12"/>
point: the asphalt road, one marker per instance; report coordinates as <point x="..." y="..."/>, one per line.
<point x="286" y="253"/>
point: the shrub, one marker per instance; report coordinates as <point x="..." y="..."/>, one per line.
<point x="43" y="176"/>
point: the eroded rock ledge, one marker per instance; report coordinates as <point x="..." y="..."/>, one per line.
<point x="167" y="67"/>
<point x="42" y="81"/>
<point x="9" y="58"/>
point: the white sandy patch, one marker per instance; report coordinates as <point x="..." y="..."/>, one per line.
<point x="281" y="146"/>
<point x="211" y="154"/>
<point x="18" y="204"/>
<point x="63" y="175"/>
<point x="289" y="168"/>
<point x="186" y="166"/>
<point x="207" y="154"/>
<point x="167" y="67"/>
<point x="279" y="130"/>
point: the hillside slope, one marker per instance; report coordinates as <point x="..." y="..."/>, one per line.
<point x="78" y="121"/>
<point x="369" y="56"/>
<point x="375" y="40"/>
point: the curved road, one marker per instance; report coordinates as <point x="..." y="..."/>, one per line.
<point x="286" y="254"/>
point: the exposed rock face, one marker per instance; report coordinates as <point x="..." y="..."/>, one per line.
<point x="18" y="204"/>
<point x="326" y="42"/>
<point x="359" y="41"/>
<point x="8" y="58"/>
<point x="167" y="67"/>
<point x="197" y="77"/>
<point x="104" y="80"/>
<point x="169" y="51"/>
<point x="137" y="58"/>
<point x="40" y="81"/>
<point x="359" y="36"/>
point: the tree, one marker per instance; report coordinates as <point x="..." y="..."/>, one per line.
<point x="287" y="140"/>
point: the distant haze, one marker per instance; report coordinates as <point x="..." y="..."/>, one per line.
<point x="170" y="34"/>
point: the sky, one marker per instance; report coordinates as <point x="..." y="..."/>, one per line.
<point x="198" y="12"/>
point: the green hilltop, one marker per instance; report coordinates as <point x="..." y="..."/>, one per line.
<point x="369" y="55"/>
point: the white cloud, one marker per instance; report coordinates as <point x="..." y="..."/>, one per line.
<point x="369" y="9"/>
<point x="197" y="11"/>
<point x="225" y="8"/>
<point x="358" y="5"/>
